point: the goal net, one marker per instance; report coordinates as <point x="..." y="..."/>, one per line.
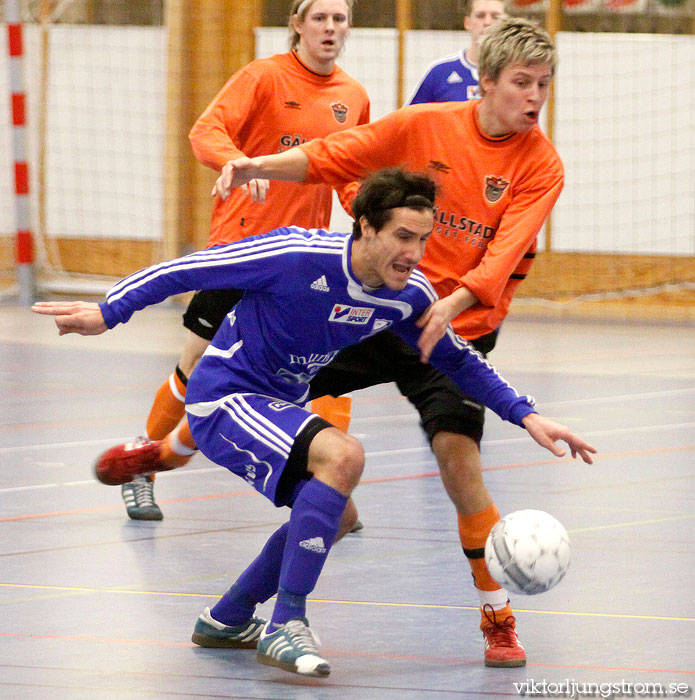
<point x="95" y="101"/>
<point x="624" y="225"/>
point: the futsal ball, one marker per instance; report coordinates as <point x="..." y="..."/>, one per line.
<point x="527" y="552"/>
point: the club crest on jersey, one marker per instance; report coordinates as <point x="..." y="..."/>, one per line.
<point x="340" y="112"/>
<point x="356" y="315"/>
<point x="495" y="187"/>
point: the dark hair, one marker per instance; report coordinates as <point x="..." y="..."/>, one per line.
<point x="388" y="189"/>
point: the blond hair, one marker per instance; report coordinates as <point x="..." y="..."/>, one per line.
<point x="300" y="8"/>
<point x="514" y="41"/>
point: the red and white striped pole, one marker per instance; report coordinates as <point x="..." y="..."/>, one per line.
<point x="24" y="246"/>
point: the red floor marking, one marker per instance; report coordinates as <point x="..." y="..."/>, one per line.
<point x="106" y="640"/>
<point x="351" y="654"/>
<point x="78" y="511"/>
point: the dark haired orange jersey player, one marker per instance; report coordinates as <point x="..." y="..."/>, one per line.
<point x="268" y="106"/>
<point x="499" y="178"/>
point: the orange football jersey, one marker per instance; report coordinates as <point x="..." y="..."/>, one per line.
<point x="495" y="194"/>
<point x="267" y="107"/>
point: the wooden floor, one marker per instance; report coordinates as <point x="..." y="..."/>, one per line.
<point x="95" y="606"/>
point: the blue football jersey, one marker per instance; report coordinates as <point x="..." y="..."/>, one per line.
<point x="450" y="79"/>
<point x="302" y="304"/>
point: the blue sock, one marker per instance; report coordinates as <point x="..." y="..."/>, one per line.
<point x="257" y="583"/>
<point x="313" y="526"/>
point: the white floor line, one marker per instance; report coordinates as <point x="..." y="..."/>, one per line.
<point x="423" y="449"/>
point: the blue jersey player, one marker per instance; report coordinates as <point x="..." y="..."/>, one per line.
<point x="309" y="293"/>
<point x="455" y="78"/>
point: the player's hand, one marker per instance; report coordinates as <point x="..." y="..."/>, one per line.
<point x="83" y="317"/>
<point x="547" y="432"/>
<point x="436" y="319"/>
<point x="234" y="174"/>
<point x="434" y="323"/>
<point x="256" y="189"/>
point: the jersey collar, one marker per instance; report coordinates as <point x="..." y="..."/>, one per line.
<point x="303" y="66"/>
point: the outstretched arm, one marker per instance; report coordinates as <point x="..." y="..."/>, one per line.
<point x="291" y="166"/>
<point x="83" y="317"/>
<point x="477" y="378"/>
<point x="547" y="432"/>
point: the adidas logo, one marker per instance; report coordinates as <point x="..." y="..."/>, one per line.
<point x="454" y="77"/>
<point x="315" y="544"/>
<point x="321" y="284"/>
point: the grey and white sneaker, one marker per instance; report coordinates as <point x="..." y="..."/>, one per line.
<point x="210" y="633"/>
<point x="138" y="496"/>
<point x="293" y="647"/>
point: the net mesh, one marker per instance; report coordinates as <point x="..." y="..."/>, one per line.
<point x="95" y="96"/>
<point x="624" y="226"/>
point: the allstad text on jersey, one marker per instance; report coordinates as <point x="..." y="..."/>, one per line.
<point x="463" y="224"/>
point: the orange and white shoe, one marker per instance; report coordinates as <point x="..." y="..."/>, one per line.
<point x="502" y="646"/>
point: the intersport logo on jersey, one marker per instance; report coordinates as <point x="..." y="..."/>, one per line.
<point x="357" y="315"/>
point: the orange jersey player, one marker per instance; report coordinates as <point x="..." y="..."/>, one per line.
<point x="495" y="193"/>
<point x="499" y="178"/>
<point x="268" y="106"/>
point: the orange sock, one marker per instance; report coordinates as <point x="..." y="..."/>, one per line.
<point x="499" y="616"/>
<point x="179" y="446"/>
<point x="168" y="407"/>
<point x="336" y="410"/>
<point x="473" y="531"/>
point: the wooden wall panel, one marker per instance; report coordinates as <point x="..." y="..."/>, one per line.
<point x="208" y="41"/>
<point x="566" y="275"/>
<point x="106" y="256"/>
<point x="7" y="256"/>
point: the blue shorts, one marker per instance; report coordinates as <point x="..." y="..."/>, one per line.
<point x="253" y="436"/>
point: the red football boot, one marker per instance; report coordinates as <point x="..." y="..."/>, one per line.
<point x="502" y="647"/>
<point x="121" y="464"/>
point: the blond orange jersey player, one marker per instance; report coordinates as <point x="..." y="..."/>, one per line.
<point x="266" y="107"/>
<point x="499" y="178"/>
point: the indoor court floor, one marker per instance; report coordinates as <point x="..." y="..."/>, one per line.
<point x="95" y="606"/>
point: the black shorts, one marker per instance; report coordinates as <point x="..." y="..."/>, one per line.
<point x="208" y="309"/>
<point x="387" y="358"/>
<point x="296" y="474"/>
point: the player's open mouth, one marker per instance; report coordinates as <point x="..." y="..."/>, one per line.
<point x="533" y="116"/>
<point x="402" y="269"/>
